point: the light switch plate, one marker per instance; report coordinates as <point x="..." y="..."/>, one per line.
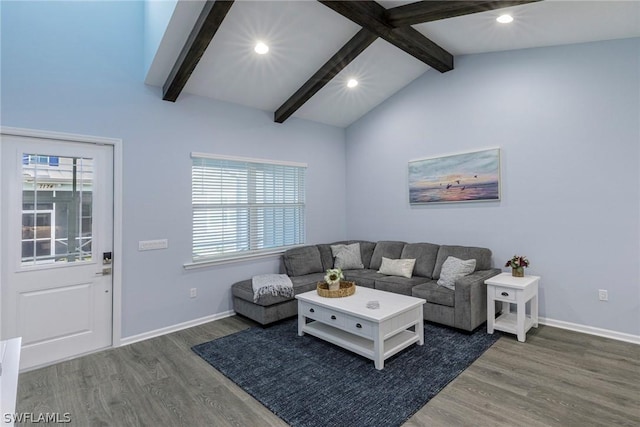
<point x="150" y="245"/>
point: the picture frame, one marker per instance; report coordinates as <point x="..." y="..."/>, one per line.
<point x="466" y="177"/>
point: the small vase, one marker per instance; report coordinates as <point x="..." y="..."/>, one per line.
<point x="517" y="271"/>
<point x="334" y="286"/>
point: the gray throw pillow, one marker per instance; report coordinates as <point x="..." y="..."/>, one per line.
<point x="453" y="269"/>
<point x="347" y="257"/>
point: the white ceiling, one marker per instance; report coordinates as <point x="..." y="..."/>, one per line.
<point x="303" y="35"/>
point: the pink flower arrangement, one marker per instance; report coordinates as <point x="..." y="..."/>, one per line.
<point x="517" y="261"/>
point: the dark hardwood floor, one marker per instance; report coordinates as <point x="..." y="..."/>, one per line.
<point x="556" y="378"/>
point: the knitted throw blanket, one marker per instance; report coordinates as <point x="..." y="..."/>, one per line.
<point x="271" y="284"/>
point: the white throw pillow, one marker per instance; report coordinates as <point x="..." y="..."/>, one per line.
<point x="454" y="268"/>
<point x="347" y="257"/>
<point x="397" y="267"/>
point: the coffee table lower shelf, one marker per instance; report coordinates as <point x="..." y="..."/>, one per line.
<point x="360" y="345"/>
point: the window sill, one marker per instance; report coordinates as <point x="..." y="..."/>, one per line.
<point x="235" y="259"/>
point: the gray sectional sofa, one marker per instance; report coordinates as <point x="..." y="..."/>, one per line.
<point x="463" y="308"/>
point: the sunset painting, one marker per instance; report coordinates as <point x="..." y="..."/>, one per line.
<point x="468" y="177"/>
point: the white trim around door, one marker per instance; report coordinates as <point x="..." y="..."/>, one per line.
<point x="117" y="209"/>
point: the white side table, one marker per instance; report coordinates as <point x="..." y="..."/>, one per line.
<point x="512" y="290"/>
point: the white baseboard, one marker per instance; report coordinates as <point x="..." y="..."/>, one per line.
<point x="175" y="328"/>
<point x="606" y="333"/>
<point x="634" y="339"/>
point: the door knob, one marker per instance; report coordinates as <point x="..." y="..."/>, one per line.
<point x="104" y="272"/>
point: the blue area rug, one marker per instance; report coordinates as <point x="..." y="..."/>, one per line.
<point x="311" y="383"/>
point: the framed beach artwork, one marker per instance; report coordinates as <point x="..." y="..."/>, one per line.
<point x="466" y="177"/>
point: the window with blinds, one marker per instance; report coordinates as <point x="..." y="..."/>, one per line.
<point x="243" y="207"/>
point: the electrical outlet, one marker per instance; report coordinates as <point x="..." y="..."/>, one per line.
<point x="603" y="295"/>
<point x="193" y="292"/>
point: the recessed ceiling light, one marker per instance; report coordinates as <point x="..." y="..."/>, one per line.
<point x="504" y="19"/>
<point x="261" y="48"/>
<point x="352" y="83"/>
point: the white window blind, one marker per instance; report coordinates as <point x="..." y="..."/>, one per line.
<point x="245" y="206"/>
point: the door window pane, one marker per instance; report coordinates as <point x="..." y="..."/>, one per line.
<point x="57" y="222"/>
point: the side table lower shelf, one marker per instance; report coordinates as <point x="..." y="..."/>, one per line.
<point x="508" y="322"/>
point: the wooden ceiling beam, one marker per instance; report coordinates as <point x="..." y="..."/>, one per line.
<point x="394" y="26"/>
<point x="326" y="73"/>
<point x="433" y="10"/>
<point x="201" y="35"/>
<point x="372" y="16"/>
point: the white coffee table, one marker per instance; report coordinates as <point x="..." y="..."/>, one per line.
<point x="376" y="334"/>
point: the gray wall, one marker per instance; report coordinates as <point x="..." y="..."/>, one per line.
<point x="567" y="122"/>
<point x="77" y="67"/>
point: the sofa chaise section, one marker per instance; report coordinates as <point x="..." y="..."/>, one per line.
<point x="304" y="267"/>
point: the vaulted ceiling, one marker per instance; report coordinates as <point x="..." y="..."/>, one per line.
<point x="316" y="46"/>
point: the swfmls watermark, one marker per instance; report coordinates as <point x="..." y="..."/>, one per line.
<point x="35" y="418"/>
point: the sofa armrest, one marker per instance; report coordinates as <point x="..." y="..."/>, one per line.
<point x="471" y="299"/>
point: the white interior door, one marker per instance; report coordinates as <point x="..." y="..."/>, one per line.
<point x="57" y="238"/>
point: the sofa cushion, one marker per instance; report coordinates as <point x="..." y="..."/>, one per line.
<point x="366" y="251"/>
<point x="398" y="285"/>
<point x="347" y="257"/>
<point x="326" y="255"/>
<point x="453" y="269"/>
<point x="397" y="267"/>
<point x="481" y="255"/>
<point x="434" y="294"/>
<point x="303" y="260"/>
<point x="387" y="249"/>
<point x="425" y="255"/>
<point x="366" y="278"/>
<point x="306" y="283"/>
